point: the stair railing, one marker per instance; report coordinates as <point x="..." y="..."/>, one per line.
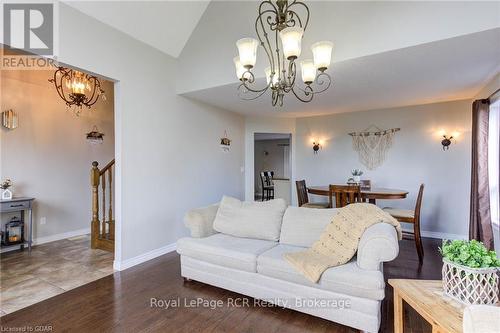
<point x="102" y="230"/>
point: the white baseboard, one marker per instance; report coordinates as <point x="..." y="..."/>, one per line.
<point x="438" y="235"/>
<point x="64" y="235"/>
<point x="127" y="263"/>
<point x="51" y="238"/>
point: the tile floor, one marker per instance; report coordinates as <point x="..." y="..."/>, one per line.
<point x="51" y="269"/>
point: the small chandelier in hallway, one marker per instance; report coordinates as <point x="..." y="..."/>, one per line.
<point x="76" y="88"/>
<point x="279" y="29"/>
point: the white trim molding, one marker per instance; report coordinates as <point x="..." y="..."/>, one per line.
<point x="438" y="235"/>
<point x="64" y="235"/>
<point x="127" y="263"/>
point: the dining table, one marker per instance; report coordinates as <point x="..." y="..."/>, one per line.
<point x="370" y="193"/>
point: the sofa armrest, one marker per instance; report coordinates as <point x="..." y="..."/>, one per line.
<point x="200" y="221"/>
<point x="379" y="243"/>
<point x="481" y="319"/>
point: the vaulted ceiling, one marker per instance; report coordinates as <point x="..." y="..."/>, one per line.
<point x="387" y="54"/>
<point x="164" y="25"/>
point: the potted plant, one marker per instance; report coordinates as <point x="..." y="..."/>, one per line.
<point x="356" y="175"/>
<point x="470" y="272"/>
<point x="6" y="193"/>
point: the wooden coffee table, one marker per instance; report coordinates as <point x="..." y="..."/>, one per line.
<point x="426" y="297"/>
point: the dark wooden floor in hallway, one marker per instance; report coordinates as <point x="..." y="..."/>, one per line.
<point x="121" y="303"/>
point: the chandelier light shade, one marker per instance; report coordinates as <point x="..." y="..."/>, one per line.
<point x="280" y="27"/>
<point x="77" y="89"/>
<point x="291" y="39"/>
<point x="322" y="54"/>
<point x="240" y="70"/>
<point x="308" y="71"/>
<point x="247" y="48"/>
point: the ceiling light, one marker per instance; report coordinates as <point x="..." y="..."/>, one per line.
<point x="76" y="88"/>
<point x="247" y="48"/>
<point x="322" y="54"/>
<point x="280" y="27"/>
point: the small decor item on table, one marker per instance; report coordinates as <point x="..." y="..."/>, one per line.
<point x="470" y="272"/>
<point x="94" y="136"/>
<point x="6" y="193"/>
<point x="225" y="143"/>
<point x="356" y="176"/>
<point x="14" y="232"/>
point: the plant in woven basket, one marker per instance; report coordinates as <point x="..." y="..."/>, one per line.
<point x="470" y="272"/>
<point x="471" y="254"/>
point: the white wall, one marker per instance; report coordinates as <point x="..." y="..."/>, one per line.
<point x="167" y="147"/>
<point x="265" y="125"/>
<point x="489" y="87"/>
<point x="416" y="157"/>
<point x="48" y="156"/>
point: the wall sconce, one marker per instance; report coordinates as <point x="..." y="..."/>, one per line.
<point x="446" y="142"/>
<point x="316" y="146"/>
<point x="95" y="136"/>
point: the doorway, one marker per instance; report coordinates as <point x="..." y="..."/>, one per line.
<point x="272" y="159"/>
<point x="48" y="156"/>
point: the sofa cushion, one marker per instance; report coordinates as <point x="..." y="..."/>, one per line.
<point x="346" y="279"/>
<point x="259" y="220"/>
<point x="303" y="226"/>
<point x="225" y="250"/>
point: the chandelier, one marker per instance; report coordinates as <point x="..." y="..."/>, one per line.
<point x="279" y="29"/>
<point x="77" y="89"/>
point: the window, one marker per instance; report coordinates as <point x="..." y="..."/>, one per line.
<point x="494" y="161"/>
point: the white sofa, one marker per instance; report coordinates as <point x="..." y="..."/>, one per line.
<point x="255" y="267"/>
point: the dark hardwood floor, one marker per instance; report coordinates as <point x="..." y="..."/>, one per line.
<point x="121" y="303"/>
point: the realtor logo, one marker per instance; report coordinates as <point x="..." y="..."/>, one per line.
<point x="29" y="27"/>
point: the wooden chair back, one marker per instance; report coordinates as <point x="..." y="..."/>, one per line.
<point x="302" y="196"/>
<point x="418" y="204"/>
<point x="366" y="184"/>
<point x="266" y="178"/>
<point x="344" y="195"/>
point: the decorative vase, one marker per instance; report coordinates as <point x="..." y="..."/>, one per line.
<point x="470" y="285"/>
<point x="6" y="194"/>
<point x="357" y="179"/>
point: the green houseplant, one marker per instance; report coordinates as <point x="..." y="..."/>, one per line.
<point x="470" y="272"/>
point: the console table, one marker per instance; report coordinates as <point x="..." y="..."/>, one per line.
<point x="22" y="205"/>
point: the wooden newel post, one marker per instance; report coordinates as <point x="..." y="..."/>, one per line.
<point x="94" y="182"/>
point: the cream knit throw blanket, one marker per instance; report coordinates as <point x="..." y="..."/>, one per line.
<point x="339" y="241"/>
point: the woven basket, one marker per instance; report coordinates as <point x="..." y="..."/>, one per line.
<point x="471" y="285"/>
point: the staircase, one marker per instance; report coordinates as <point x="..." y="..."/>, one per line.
<point x="102" y="230"/>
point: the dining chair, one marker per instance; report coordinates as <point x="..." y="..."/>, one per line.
<point x="303" y="198"/>
<point x="344" y="195"/>
<point x="411" y="216"/>
<point x="266" y="179"/>
<point x="366" y="184"/>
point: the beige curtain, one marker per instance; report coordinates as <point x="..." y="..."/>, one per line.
<point x="480" y="218"/>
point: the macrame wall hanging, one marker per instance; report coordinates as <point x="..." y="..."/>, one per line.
<point x="372" y="145"/>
